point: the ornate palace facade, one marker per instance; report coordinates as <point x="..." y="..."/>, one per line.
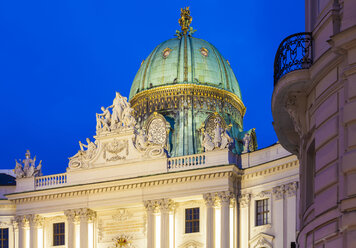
<point x="171" y="167"/>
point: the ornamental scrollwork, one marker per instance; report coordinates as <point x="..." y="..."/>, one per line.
<point x="82" y="157"/>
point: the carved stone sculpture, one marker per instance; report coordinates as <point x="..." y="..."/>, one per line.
<point x="103" y="120"/>
<point x="217" y="131"/>
<point x="222" y="139"/>
<point x="146" y="146"/>
<point x="29" y="168"/>
<point x="246" y="142"/>
<point x="82" y="156"/>
<point x="226" y="140"/>
<point x="120" y="118"/>
<point x="116" y="150"/>
<point x="207" y="143"/>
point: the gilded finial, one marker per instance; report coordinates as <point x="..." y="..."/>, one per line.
<point x="185" y="19"/>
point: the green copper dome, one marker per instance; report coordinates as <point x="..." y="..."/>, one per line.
<point x="185" y="60"/>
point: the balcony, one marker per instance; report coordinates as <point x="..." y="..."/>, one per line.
<point x="293" y="59"/>
<point x="294" y="53"/>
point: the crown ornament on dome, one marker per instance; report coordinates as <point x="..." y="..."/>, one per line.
<point x="184" y="21"/>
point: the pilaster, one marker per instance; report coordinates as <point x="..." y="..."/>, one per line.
<point x="225" y="198"/>
<point x="279" y="215"/>
<point x="72" y="219"/>
<point x="166" y="207"/>
<point x="151" y="208"/>
<point x="35" y="222"/>
<point x="22" y="226"/>
<point x="209" y="199"/>
<point x="244" y="201"/>
<point x="85" y="216"/>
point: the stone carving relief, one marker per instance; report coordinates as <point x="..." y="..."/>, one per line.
<point x="83" y="156"/>
<point x="157" y="132"/>
<point x="121" y="223"/>
<point x="35" y="220"/>
<point x="4" y="224"/>
<point x="295" y="105"/>
<point x="27" y="167"/>
<point x="291" y="189"/>
<point x="278" y="192"/>
<point x="122" y="214"/>
<point x="191" y="244"/>
<point x="80" y="213"/>
<point x="116" y="150"/>
<point x="261" y="240"/>
<point x="215" y="134"/>
<point x="119" y="138"/>
<point x="263" y="194"/>
<point x="244" y="200"/>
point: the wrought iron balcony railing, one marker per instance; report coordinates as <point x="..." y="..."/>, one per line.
<point x="294" y="53"/>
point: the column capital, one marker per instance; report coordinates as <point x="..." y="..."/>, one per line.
<point x="85" y="214"/>
<point x="166" y="205"/>
<point x="21" y="220"/>
<point x="225" y="197"/>
<point x="278" y="192"/>
<point x="151" y="205"/>
<point x="35" y="220"/>
<point x="244" y="200"/>
<point x="15" y="224"/>
<point x="209" y="199"/>
<point x="71" y="215"/>
<point x="291" y="189"/>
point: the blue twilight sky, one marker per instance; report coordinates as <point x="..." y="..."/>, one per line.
<point x="61" y="60"/>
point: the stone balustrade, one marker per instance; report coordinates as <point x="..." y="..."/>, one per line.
<point x="186" y="161"/>
<point x="50" y="181"/>
<point x="195" y="161"/>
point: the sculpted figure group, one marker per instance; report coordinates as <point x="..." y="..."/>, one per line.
<point x="29" y="168"/>
<point x="116" y="118"/>
<point x="120" y="117"/>
<point x="221" y="140"/>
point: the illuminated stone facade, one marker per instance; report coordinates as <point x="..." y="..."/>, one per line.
<point x="170" y="168"/>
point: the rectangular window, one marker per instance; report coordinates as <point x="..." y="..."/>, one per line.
<point x="58" y="234"/>
<point x="262" y="212"/>
<point x="191" y="220"/>
<point x="4" y="237"/>
<point x="309" y="175"/>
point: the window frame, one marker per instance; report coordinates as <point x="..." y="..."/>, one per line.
<point x="265" y="212"/>
<point x="2" y="239"/>
<point x="195" y="222"/>
<point x="59" y="234"/>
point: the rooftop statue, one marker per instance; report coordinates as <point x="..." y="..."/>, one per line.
<point x="103" y="120"/>
<point x="88" y="153"/>
<point x="185" y="19"/>
<point x="120" y="117"/>
<point x="29" y="168"/>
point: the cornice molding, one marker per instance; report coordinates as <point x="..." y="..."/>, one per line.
<point x="125" y="186"/>
<point x="270" y="171"/>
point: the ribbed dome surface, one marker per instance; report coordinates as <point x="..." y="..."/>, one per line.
<point x="186" y="60"/>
